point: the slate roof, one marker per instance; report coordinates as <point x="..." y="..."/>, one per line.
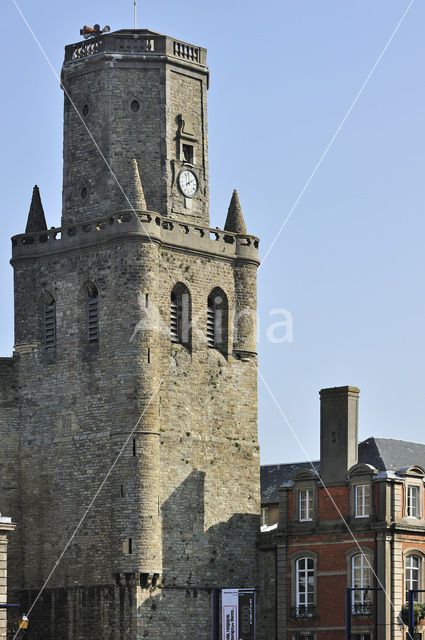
<point x="385" y="454"/>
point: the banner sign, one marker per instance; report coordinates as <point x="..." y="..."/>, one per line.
<point x="238" y="620"/>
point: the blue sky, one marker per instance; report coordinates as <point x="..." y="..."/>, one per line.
<point x="349" y="265"/>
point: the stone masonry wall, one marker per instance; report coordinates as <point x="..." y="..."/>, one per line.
<point x="102" y="91"/>
<point x="186" y="96"/>
<point x="11" y="461"/>
<point x="186" y="492"/>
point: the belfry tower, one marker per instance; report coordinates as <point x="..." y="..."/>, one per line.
<point x="134" y="333"/>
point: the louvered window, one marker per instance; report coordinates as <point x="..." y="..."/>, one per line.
<point x="50" y="325"/>
<point x="180" y="315"/>
<point x="211" y="323"/>
<point x="217" y="320"/>
<point x="93" y="319"/>
<point x="174" y="319"/>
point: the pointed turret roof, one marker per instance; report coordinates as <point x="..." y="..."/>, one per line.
<point x="135" y="190"/>
<point x="36" y="220"/>
<point x="235" y="221"/>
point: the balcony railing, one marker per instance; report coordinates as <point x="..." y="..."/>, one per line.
<point x="304" y="611"/>
<point x="362" y="608"/>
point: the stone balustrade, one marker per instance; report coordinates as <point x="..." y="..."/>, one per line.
<point x="137" y="41"/>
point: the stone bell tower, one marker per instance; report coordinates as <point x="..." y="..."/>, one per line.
<point x="135" y="355"/>
<point x="134" y="94"/>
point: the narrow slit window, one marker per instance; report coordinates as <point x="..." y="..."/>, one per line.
<point x="50" y="325"/>
<point x="93" y="315"/>
<point x="134" y="447"/>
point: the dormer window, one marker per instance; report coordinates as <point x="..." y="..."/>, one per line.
<point x="362" y="500"/>
<point x="305" y="497"/>
<point x="412" y="501"/>
<point x="361" y="497"/>
<point x="413" y="490"/>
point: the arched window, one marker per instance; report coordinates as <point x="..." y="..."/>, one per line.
<point x="361" y="577"/>
<point x="180" y="315"/>
<point x="92" y="313"/>
<point x="49" y="321"/>
<point x="412" y="575"/>
<point x="305" y="587"/>
<point x="217" y="320"/>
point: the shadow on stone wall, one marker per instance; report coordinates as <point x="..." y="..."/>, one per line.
<point x="195" y="561"/>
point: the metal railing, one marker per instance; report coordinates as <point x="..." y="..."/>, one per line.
<point x="362" y="608"/>
<point x="304" y="611"/>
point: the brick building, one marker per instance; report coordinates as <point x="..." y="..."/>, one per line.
<point x="353" y="519"/>
<point x="134" y="332"/>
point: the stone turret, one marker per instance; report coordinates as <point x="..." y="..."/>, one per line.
<point x="36" y="220"/>
<point x="235" y="221"/>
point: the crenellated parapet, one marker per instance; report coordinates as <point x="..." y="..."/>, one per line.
<point x="146" y="225"/>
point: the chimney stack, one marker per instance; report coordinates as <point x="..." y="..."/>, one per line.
<point x="338" y="432"/>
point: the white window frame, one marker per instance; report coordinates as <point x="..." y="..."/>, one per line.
<point x="305" y="505"/>
<point x="304" y="576"/>
<point x="412" y="500"/>
<point x="411" y="582"/>
<point x="362" y="563"/>
<point x="361" y="500"/>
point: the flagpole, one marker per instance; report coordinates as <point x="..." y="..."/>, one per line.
<point x="135" y="3"/>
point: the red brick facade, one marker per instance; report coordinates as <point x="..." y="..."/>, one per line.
<point x="365" y="530"/>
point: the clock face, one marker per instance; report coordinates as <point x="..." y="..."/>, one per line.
<point x="188" y="183"/>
